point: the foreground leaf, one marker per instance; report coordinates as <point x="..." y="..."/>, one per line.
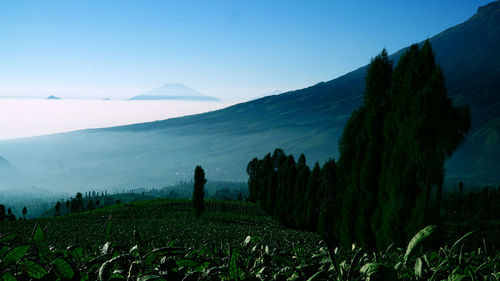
<point x="107" y="229"/>
<point x="63" y="268"/>
<point x="7" y="276"/>
<point x="7" y="237"/>
<point x="148" y="277"/>
<point x="417" y="240"/>
<point x="233" y="266"/>
<point x="461" y="239"/>
<point x="39" y="241"/>
<point x="33" y="269"/>
<point x="15" y="254"/>
<point x="378" y="271"/>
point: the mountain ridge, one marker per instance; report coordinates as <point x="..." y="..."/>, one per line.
<point x="308" y="120"/>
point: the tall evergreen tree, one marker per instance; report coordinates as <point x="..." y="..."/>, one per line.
<point x="199" y="192"/>
<point x="279" y="166"/>
<point x="90" y="205"/>
<point x="352" y="151"/>
<point x="57" y="208"/>
<point x="421" y="129"/>
<point x="312" y="199"/>
<point x="79" y="202"/>
<point x="253" y="169"/>
<point x="272" y="191"/>
<point x="264" y="178"/>
<point x="68" y="204"/>
<point x="25" y="211"/>
<point x="328" y="213"/>
<point x="10" y="215"/>
<point x="393" y="150"/>
<point x="2" y="212"/>
<point x="75" y="206"/>
<point x="361" y="148"/>
<point x="290" y="187"/>
<point x="299" y="200"/>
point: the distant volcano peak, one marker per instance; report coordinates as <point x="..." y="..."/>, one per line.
<point x="174" y="91"/>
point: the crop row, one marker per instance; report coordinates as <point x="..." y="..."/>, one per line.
<point x="250" y="260"/>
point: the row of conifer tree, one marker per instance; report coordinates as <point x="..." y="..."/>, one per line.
<point x="387" y="182"/>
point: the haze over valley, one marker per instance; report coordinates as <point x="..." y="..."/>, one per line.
<point x="308" y="120"/>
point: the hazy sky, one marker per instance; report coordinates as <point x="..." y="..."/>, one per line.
<point x="230" y="49"/>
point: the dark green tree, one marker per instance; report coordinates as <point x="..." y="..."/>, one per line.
<point x="25" y="211"/>
<point x="90" y="205"/>
<point x="352" y="148"/>
<point x="312" y="199"/>
<point x="291" y="174"/>
<point x="75" y="206"/>
<point x="267" y="181"/>
<point x="68" y="204"/>
<point x="361" y="147"/>
<point x="2" y="212"/>
<point x="79" y="200"/>
<point x="10" y="215"/>
<point x="199" y="192"/>
<point x="271" y="189"/>
<point x="329" y="210"/>
<point x="253" y="169"/>
<point x="299" y="201"/>
<point x="421" y="129"/>
<point x="57" y="208"/>
<point x="393" y="149"/>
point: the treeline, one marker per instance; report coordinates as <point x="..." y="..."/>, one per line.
<point x="17" y="203"/>
<point x="290" y="190"/>
<point x="7" y="216"/>
<point x="92" y="199"/>
<point x="387" y="182"/>
<point x="221" y="190"/>
<point x="476" y="209"/>
<point x="79" y="203"/>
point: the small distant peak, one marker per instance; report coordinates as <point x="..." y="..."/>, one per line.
<point x="489" y="7"/>
<point x="174" y="91"/>
<point x="51" y="97"/>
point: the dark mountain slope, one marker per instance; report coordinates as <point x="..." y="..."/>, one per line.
<point x="309" y="120"/>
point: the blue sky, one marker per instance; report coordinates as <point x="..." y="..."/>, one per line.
<point x="230" y="49"/>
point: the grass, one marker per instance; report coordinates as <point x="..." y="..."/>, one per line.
<point x="163" y="240"/>
<point x="162" y="221"/>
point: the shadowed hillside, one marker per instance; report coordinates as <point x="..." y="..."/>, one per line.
<point x="308" y="120"/>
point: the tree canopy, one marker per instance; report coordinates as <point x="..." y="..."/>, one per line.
<point x="393" y="149"/>
<point x="387" y="182"/>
